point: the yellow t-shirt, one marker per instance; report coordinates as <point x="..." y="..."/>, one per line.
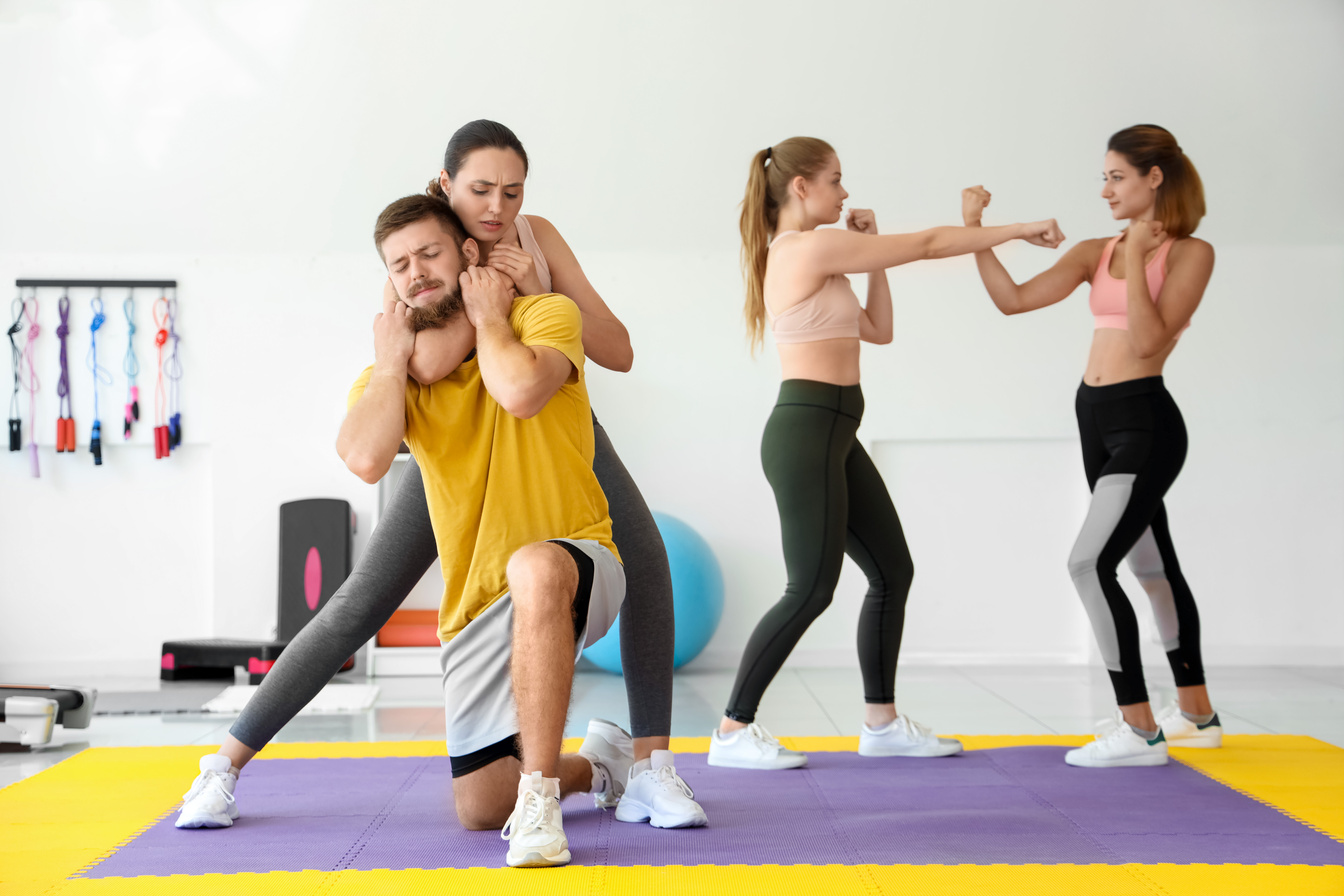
<point x="495" y="483"/>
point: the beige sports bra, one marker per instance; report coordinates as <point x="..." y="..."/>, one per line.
<point x="831" y="312"/>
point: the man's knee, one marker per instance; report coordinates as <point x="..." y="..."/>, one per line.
<point x="475" y="815"/>
<point x="542" y="573"/>
<point x="484" y="798"/>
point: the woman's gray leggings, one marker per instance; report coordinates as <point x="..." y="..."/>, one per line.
<point x="401" y="549"/>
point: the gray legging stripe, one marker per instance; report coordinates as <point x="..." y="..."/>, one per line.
<point x="400" y="550"/>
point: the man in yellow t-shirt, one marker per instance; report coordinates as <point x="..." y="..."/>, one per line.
<point x="505" y="445"/>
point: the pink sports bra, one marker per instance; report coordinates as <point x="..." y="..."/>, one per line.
<point x="1109" y="300"/>
<point x="528" y="241"/>
<point x="831" y="312"/>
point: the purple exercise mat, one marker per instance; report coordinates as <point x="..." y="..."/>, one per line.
<point x="1015" y="805"/>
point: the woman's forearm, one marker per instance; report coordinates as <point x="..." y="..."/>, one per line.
<point x="1147" y="330"/>
<point x="945" y="242"/>
<point x="877" y="310"/>
<point x="439" y="351"/>
<point x="607" y="343"/>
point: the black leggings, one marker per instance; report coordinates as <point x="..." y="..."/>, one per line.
<point x="832" y="502"/>
<point x="401" y="549"/>
<point x="1134" y="445"/>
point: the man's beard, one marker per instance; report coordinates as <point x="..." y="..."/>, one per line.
<point x="432" y="317"/>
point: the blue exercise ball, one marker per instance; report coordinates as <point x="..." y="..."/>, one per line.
<point x="697" y="597"/>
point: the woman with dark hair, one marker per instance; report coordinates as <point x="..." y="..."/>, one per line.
<point x="831" y="498"/>
<point x="484" y="170"/>
<point x="1146" y="284"/>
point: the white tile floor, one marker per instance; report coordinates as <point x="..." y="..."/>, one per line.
<point x="964" y="700"/>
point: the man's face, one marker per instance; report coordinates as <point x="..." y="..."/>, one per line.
<point x="424" y="263"/>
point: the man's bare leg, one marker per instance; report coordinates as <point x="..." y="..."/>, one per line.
<point x="543" y="579"/>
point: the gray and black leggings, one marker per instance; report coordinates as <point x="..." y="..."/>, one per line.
<point x="1134" y="444"/>
<point x="400" y="550"/>
<point x="832" y="502"/>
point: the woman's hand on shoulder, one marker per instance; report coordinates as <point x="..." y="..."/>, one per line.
<point x="518" y="265"/>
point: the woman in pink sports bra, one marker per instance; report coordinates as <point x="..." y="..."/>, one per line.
<point x="831" y="499"/>
<point x="1146" y="284"/>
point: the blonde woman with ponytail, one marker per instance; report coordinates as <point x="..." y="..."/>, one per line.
<point x="1146" y="283"/>
<point x="831" y="499"/>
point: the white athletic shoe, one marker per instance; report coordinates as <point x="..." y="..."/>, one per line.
<point x="903" y="736"/>
<point x="752" y="747"/>
<point x="210" y="803"/>
<point x="659" y="796"/>
<point x="535" y="830"/>
<point x="612" y="751"/>
<point x="1118" y="745"/>
<point x="1181" y="732"/>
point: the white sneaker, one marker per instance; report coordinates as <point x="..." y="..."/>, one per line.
<point x="611" y="750"/>
<point x="535" y="830"/>
<point x="1181" y="732"/>
<point x="752" y="747"/>
<point x="658" y="795"/>
<point x="1119" y="745"/>
<point x="904" y="736"/>
<point x="210" y="803"/>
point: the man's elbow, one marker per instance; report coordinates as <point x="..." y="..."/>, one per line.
<point x="524" y="407"/>
<point x="368" y="468"/>
<point x="526" y="401"/>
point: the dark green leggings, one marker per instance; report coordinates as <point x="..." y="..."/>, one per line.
<point x="832" y="502"/>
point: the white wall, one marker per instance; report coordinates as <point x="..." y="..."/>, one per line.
<point x="245" y="148"/>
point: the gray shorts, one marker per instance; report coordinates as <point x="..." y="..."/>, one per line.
<point x="477" y="684"/>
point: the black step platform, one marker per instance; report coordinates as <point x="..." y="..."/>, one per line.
<point x="217" y="657"/>
<point x="316" y="541"/>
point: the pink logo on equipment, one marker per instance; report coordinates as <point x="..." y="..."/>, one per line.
<point x="312" y="578"/>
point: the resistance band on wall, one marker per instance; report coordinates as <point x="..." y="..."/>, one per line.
<point x="100" y="375"/>
<point x="173" y="370"/>
<point x="16" y="355"/>
<point x="30" y="311"/>
<point x="161" y="448"/>
<point x="131" y="366"/>
<point x="65" y="422"/>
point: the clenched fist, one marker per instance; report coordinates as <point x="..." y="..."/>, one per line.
<point x="974" y="201"/>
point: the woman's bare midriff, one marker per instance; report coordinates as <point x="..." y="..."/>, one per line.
<point x="1113" y="360"/>
<point x="826" y="361"/>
